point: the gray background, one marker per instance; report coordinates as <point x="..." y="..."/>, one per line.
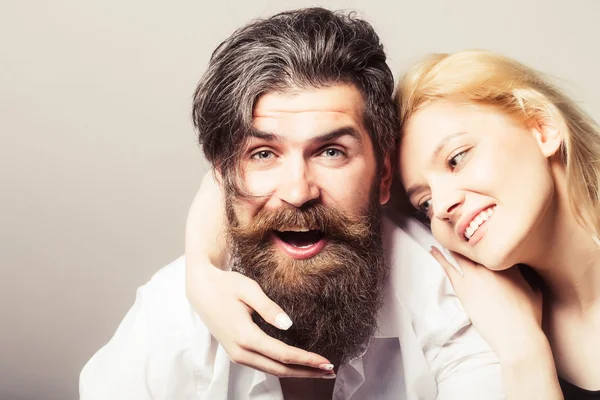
<point x="98" y="161"/>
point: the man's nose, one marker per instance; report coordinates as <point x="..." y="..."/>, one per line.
<point x="297" y="185"/>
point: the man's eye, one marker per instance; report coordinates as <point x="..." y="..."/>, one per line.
<point x="332" y="153"/>
<point x="455" y="160"/>
<point x="263" y="155"/>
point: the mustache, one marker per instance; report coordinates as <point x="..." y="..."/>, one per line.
<point x="329" y="221"/>
<point x="333" y="297"/>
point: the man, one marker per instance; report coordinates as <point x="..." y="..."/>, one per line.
<point x="295" y="114"/>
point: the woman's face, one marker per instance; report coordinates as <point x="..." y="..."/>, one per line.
<point x="481" y="176"/>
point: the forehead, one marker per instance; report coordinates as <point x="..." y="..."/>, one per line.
<point x="434" y="122"/>
<point x="429" y="128"/>
<point x="312" y="111"/>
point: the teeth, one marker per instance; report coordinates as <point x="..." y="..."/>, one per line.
<point x="298" y="230"/>
<point x="478" y="220"/>
<point x="469" y="232"/>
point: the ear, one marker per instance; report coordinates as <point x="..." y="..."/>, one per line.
<point x="386" y="180"/>
<point x="548" y="135"/>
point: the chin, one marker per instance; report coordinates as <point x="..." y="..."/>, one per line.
<point x="497" y="259"/>
<point x="497" y="266"/>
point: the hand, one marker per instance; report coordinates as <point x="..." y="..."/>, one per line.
<point x="225" y="301"/>
<point x="502" y="306"/>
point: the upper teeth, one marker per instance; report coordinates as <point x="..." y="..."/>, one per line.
<point x="478" y="220"/>
<point x="299" y="230"/>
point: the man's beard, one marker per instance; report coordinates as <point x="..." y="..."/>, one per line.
<point x="332" y="298"/>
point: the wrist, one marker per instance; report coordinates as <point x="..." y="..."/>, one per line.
<point x="531" y="373"/>
<point x="200" y="272"/>
<point x="529" y="349"/>
<point x="208" y="272"/>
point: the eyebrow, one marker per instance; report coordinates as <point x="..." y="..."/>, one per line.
<point x="417" y="188"/>
<point x="325" y="137"/>
<point x="443" y="142"/>
<point x="337" y="133"/>
<point x="414" y="189"/>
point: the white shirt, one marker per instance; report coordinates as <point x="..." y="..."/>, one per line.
<point x="425" y="347"/>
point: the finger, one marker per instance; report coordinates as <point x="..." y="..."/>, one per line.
<point x="270" y="366"/>
<point x="453" y="274"/>
<point x="464" y="263"/>
<point x="256" y="299"/>
<point x="257" y="341"/>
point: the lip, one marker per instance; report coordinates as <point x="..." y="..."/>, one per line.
<point x="478" y="235"/>
<point x="298" y="253"/>
<point x="464" y="222"/>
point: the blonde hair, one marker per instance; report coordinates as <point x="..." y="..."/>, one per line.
<point x="484" y="77"/>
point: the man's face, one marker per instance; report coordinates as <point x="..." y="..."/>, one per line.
<point x="309" y="233"/>
<point x="309" y="146"/>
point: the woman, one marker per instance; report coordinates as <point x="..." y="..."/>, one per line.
<point x="506" y="169"/>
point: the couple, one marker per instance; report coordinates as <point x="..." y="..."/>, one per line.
<point x="296" y="115"/>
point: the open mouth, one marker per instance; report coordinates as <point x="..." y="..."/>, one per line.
<point x="300" y="239"/>
<point x="478" y="221"/>
<point x="301" y="243"/>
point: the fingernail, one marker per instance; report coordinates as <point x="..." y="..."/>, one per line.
<point x="326" y="367"/>
<point x="450" y="258"/>
<point x="283" y="321"/>
<point x="328" y="376"/>
<point x="433" y="250"/>
<point x="460" y="271"/>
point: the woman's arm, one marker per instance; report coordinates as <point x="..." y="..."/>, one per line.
<point x="205" y="226"/>
<point x="507" y="313"/>
<point x="225" y="300"/>
<point x="530" y="373"/>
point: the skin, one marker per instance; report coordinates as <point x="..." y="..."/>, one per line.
<point x="294" y="159"/>
<point x="513" y="166"/>
<point x="501" y="305"/>
<point x="458" y="160"/>
<point x="286" y="167"/>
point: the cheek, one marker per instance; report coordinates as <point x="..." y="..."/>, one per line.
<point x="347" y="196"/>
<point x="348" y="190"/>
<point x="243" y="213"/>
<point x="245" y="210"/>
<point x="443" y="233"/>
<point x="261" y="183"/>
<point x="488" y="174"/>
<point x="515" y="173"/>
<point x="497" y="170"/>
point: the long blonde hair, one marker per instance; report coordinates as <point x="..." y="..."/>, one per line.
<point x="484" y="77"/>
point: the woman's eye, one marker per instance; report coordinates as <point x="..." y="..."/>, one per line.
<point x="425" y="206"/>
<point x="455" y="160"/>
<point x="263" y="155"/>
<point x="332" y="153"/>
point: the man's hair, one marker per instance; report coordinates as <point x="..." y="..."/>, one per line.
<point x="302" y="49"/>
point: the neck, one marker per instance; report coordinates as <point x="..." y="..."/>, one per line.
<point x="566" y="256"/>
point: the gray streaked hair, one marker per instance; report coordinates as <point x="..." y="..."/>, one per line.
<point x="300" y="49"/>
